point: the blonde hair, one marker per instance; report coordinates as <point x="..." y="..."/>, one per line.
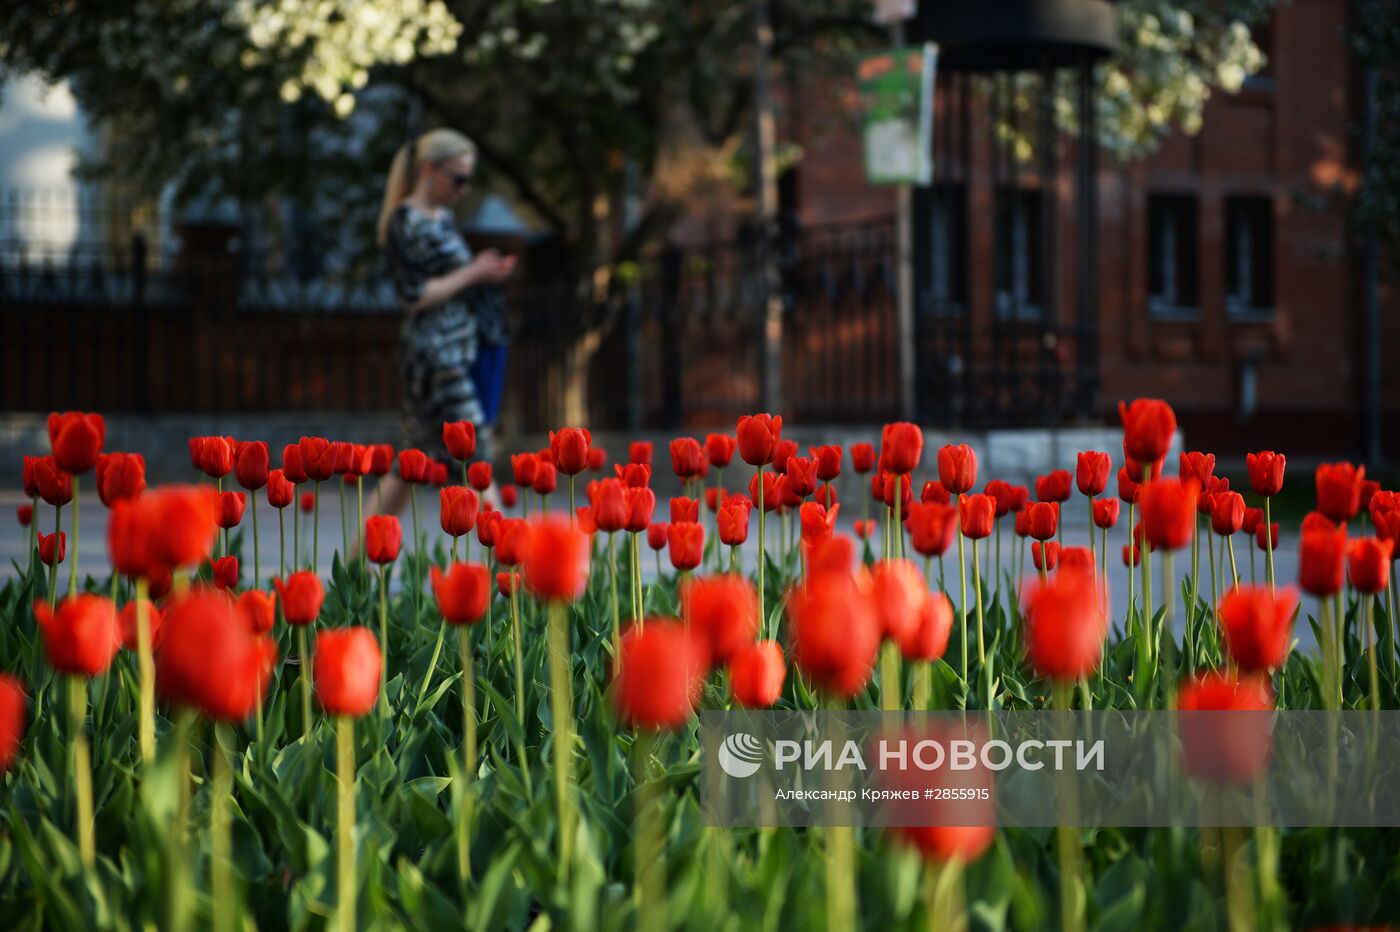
<point x="436" y="145"/>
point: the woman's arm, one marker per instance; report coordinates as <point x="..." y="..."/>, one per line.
<point x="487" y="268"/>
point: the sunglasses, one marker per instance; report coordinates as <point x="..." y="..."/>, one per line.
<point x="460" y="179"/>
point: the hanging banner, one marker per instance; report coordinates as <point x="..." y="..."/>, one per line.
<point x="896" y="99"/>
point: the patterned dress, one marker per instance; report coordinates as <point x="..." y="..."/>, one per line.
<point x="438" y="345"/>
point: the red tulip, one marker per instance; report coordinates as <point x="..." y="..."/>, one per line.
<point x="1266" y="472"/>
<point x="1253" y="517"/>
<point x="719" y="449"/>
<point x="81" y="636"/>
<point x="634" y="475"/>
<point x="413" y="466"/>
<point x="1001" y="492"/>
<point x="1218" y="485"/>
<point x="862" y="457"/>
<point x="1073" y="559"/>
<point x="898" y="593"/>
<point x="509" y="496"/>
<point x="826" y="496"/>
<point x="801" y="472"/>
<point x="13" y="704"/>
<point x="301" y="595"/>
<point x="1132" y="555"/>
<point x="608" y="499"/>
<point x="828" y="459"/>
<point x="209" y="660"/>
<point x="659" y="672"/>
<point x="901" y="447"/>
<point x="597" y="458"/>
<point x="1259" y="537"/>
<point x="1339" y="490"/>
<point x="344" y="458"/>
<point x="1042" y="519"/>
<point x="25" y="514"/>
<point x="229" y="509"/>
<point x="462" y="592"/>
<point x="570" y="447"/>
<point x="782" y="452"/>
<point x="687" y="544"/>
<point x="641" y="504"/>
<point x="251" y="464"/>
<point x="457" y="509"/>
<point x="513" y="541"/>
<point x="524" y="467"/>
<point x="658" y="535"/>
<point x="1321" y="558"/>
<point x="255" y="608"/>
<point x="1226" y="513"/>
<point x="1387" y="524"/>
<point x="1368" y="563"/>
<point x="1065" y="628"/>
<point x="1257" y="625"/>
<point x="906" y="490"/>
<point x="639" y="452"/>
<point x="126" y="624"/>
<point x="928" y="640"/>
<point x="546" y="478"/>
<point x="318" y="456"/>
<point x="346" y="669"/>
<point x="835" y="631"/>
<point x="1148" y="426"/>
<point x="932" y="528"/>
<point x="224" y="572"/>
<point x="556" y="567"/>
<point x="488" y="526"/>
<point x="957" y="468"/>
<point x="183" y="521"/>
<point x="1091" y="472"/>
<point x="506" y="583"/>
<point x="120" y="476"/>
<point x="76" y="438"/>
<point x="687" y="458"/>
<point x="977" y="512"/>
<point x="723" y="613"/>
<point x="1169" y="512"/>
<point x="1105" y="512"/>
<point x="863" y="529"/>
<point x="52" y="548"/>
<point x="479" y="476"/>
<point x="384" y="537"/>
<point x="291" y="464"/>
<point x="733" y="520"/>
<point x="1054" y="486"/>
<point x="1369" y="488"/>
<point x="55" y="485"/>
<point x="459" y="437"/>
<point x="381" y="459"/>
<point x="756" y="674"/>
<point x="1045" y="554"/>
<point x="280" y="491"/>
<point x="817" y="522"/>
<point x="1230" y="742"/>
<point x="1198" y="466"/>
<point x="685" y="509"/>
<point x="757" y="437"/>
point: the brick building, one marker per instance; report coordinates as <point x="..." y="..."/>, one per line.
<point x="1227" y="282"/>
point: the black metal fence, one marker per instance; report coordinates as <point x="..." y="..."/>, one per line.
<point x="206" y="325"/>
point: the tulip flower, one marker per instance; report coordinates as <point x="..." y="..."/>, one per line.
<point x="1339" y="490"/>
<point x="1065" y="628"/>
<point x="384" y="538"/>
<point x="862" y="458"/>
<point x="639" y="452"/>
<point x="757" y="438"/>
<point x="224" y="572"/>
<point x="801" y="473"/>
<point x="658" y="674"/>
<point x="931" y="528"/>
<point x="52" y="548"/>
<point x="1257" y="626"/>
<point x="687" y="544"/>
<point x="1042" y="519"/>
<point x="256" y="609"/>
<point x="1044" y="556"/>
<point x="228" y="511"/>
<point x="479" y="476"/>
<point x="835" y="632"/>
<point x="546" y="480"/>
<point x="76" y="438"/>
<point x="1054" y="486"/>
<point x="897" y="593"/>
<point x="120" y="476"/>
<point x="687" y="458"/>
<point x="25" y="514"/>
<point x="348" y="669"/>
<point x="1266" y="477"/>
<point x="1106" y="513"/>
<point x="13" y="705"/>
<point x="1368" y="567"/>
<point x="818" y="522"/>
<point x="719" y="449"/>
<point x="128" y="624"/>
<point x="1231" y="748"/>
<point x="1148" y="426"/>
<point x="509" y="495"/>
<point x="1091" y="473"/>
<point x="301" y="596"/>
<point x="685" y="510"/>
<point x="928" y="640"/>
<point x="756" y="674"/>
<point x="459" y="439"/>
<point x="457" y="507"/>
<point x="723" y="612"/>
<point x="957" y="468"/>
<point x="783" y="451"/>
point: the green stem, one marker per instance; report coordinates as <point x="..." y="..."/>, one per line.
<point x="1269" y="542"/>
<point x="146" y="723"/>
<point x="977" y="589"/>
<point x="962" y="602"/>
<point x="305" y="658"/>
<point x="344" y="525"/>
<point x="359" y="523"/>
<point x="891" y="699"/>
<point x="53" y="567"/>
<point x="177" y="890"/>
<point x="384" y="639"/>
<point x="257" y="561"/>
<point x="221" y="842"/>
<point x="432" y="664"/>
<point x="73" y="551"/>
<point x="281" y="543"/>
<point x="82" y="769"/>
<point x="345" y="822"/>
<point x="762" y="522"/>
<point x="649" y="860"/>
<point x="464" y="868"/>
<point x="296" y="530"/>
<point x="316" y="532"/>
<point x="561" y="709"/>
<point x="519" y="656"/>
<point x="612" y="583"/>
<point x="33" y="530"/>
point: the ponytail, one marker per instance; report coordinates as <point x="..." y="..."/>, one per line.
<point x="433" y="146"/>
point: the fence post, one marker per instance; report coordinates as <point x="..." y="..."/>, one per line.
<point x="670" y="335"/>
<point x="140" y="357"/>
